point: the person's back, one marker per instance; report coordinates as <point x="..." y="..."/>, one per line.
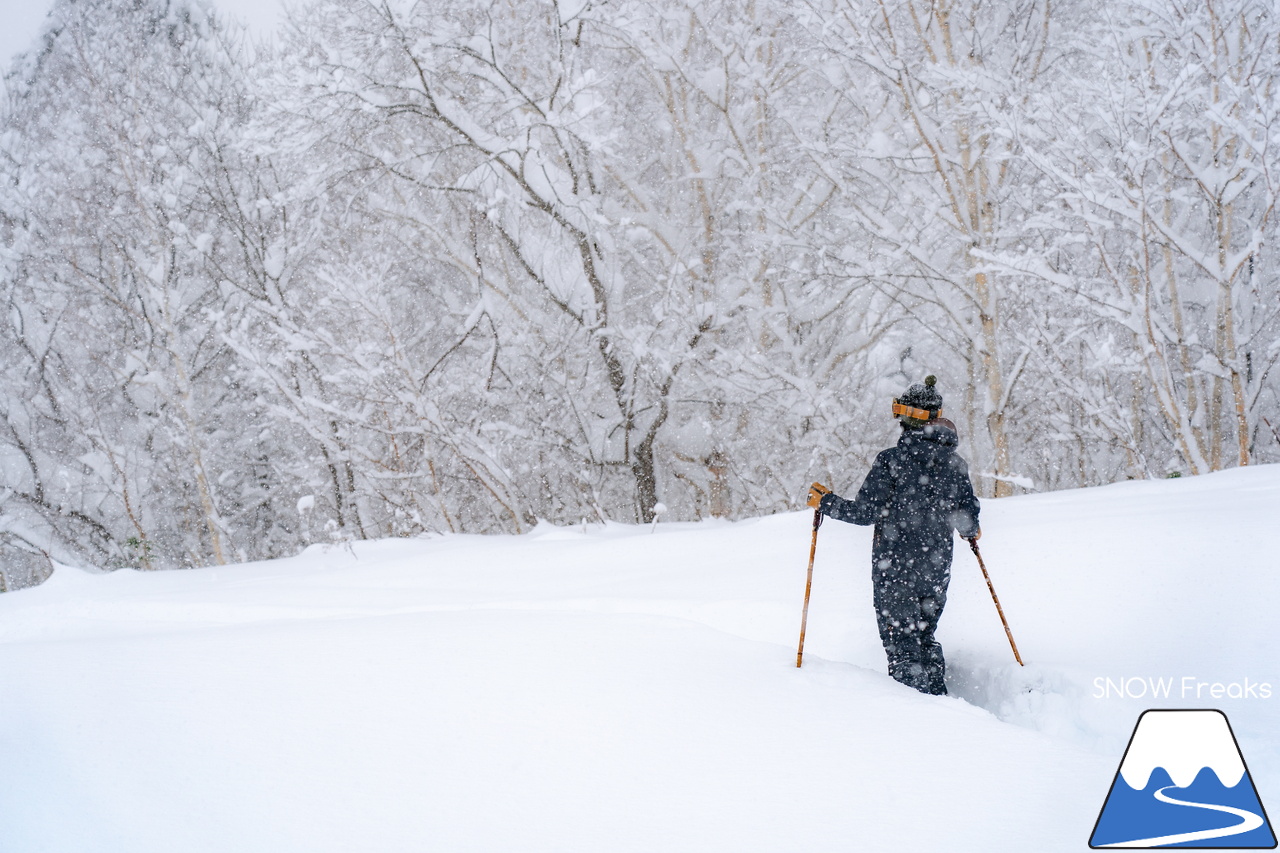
<point x="916" y="493"/>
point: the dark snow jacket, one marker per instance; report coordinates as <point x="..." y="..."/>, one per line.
<point x="915" y="494"/>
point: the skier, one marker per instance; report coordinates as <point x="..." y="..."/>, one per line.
<point x="915" y="494"/>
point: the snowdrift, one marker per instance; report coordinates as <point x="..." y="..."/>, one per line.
<point x="615" y="689"/>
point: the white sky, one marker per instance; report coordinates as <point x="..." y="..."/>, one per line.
<point x="21" y="20"/>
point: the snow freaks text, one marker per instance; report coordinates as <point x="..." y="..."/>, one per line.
<point x="1185" y="687"/>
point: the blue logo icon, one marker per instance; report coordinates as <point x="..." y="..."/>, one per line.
<point x="1183" y="783"/>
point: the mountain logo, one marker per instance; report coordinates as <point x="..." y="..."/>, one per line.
<point x="1183" y="783"/>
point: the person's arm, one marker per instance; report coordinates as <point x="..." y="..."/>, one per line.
<point x="964" y="518"/>
<point x="872" y="501"/>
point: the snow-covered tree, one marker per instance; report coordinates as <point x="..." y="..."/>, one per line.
<point x="923" y="90"/>
<point x="121" y="407"/>
<point x="466" y="265"/>
<point x="1165" y="210"/>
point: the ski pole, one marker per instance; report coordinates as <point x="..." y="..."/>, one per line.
<point x="808" y="584"/>
<point x="973" y="543"/>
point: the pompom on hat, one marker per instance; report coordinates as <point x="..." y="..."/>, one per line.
<point x="920" y="404"/>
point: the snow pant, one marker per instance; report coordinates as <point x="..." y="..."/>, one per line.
<point x="908" y="605"/>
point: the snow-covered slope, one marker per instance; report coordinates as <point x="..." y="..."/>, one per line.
<point x="615" y="689"/>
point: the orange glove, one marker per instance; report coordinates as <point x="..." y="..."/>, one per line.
<point x="816" y="491"/>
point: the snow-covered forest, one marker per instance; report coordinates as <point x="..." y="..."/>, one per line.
<point x="466" y="264"/>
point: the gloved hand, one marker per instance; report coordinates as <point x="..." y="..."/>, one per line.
<point x="975" y="537"/>
<point x="816" y="491"/>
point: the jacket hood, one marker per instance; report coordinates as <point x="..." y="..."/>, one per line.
<point x="932" y="433"/>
